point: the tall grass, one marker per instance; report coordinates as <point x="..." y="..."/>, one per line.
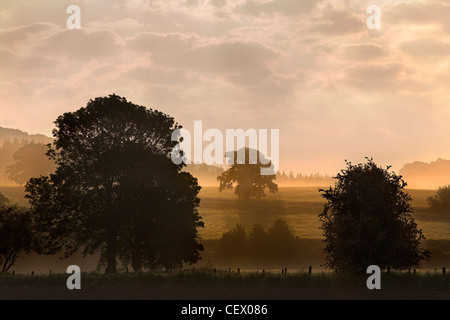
<point x="224" y="278"/>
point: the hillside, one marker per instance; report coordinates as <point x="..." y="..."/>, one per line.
<point x="16" y="134"/>
<point x="12" y="140"/>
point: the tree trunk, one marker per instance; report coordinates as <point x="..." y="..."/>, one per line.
<point x="12" y="260"/>
<point x="136" y="255"/>
<point x="111" y="252"/>
<point x="137" y="263"/>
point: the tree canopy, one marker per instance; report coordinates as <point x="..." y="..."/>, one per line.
<point x="245" y="175"/>
<point x="16" y="235"/>
<point x="441" y="201"/>
<point x="115" y="189"/>
<point x="275" y="246"/>
<point x="367" y="220"/>
<point x="30" y="161"/>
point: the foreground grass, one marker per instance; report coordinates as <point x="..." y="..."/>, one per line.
<point x="197" y="278"/>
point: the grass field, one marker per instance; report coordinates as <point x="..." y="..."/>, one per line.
<point x="204" y="284"/>
<point x="300" y="207"/>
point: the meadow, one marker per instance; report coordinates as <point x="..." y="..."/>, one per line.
<point x="298" y="206"/>
<point x="207" y="284"/>
<point x="221" y="211"/>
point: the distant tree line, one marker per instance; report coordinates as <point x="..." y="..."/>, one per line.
<point x="299" y="179"/>
<point x="207" y="176"/>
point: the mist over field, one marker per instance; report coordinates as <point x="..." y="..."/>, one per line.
<point x="222" y="211"/>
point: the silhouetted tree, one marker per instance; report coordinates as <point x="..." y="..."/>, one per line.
<point x="3" y="200"/>
<point x="115" y="182"/>
<point x="282" y="241"/>
<point x="441" y="201"/>
<point x="16" y="235"/>
<point x="244" y="175"/>
<point x="259" y="243"/>
<point x="7" y="151"/>
<point x="165" y="233"/>
<point x="276" y="246"/>
<point x="30" y="161"/>
<point x="368" y="220"/>
<point x="233" y="245"/>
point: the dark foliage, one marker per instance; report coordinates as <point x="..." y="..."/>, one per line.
<point x="276" y="246"/>
<point x="116" y="190"/>
<point x="441" y="201"/>
<point x="367" y="220"/>
<point x="16" y="235"/>
<point x="30" y="161"/>
<point x="245" y="175"/>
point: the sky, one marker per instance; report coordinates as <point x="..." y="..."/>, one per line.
<point x="335" y="89"/>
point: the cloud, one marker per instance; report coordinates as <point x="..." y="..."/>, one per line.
<point x="16" y="38"/>
<point x="335" y="21"/>
<point x="235" y="56"/>
<point x="7" y="59"/>
<point x="158" y="77"/>
<point x="170" y="43"/>
<point x="426" y="47"/>
<point x="218" y="56"/>
<point x="285" y="7"/>
<point x="420" y="13"/>
<point x="218" y="3"/>
<point x="122" y="27"/>
<point x="375" y="77"/>
<point x="82" y="45"/>
<point x="364" y="52"/>
<point x="308" y="67"/>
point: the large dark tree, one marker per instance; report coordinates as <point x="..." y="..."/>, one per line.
<point x="163" y="234"/>
<point x="244" y="175"/>
<point x="16" y="235"/>
<point x="115" y="189"/>
<point x="367" y="220"/>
